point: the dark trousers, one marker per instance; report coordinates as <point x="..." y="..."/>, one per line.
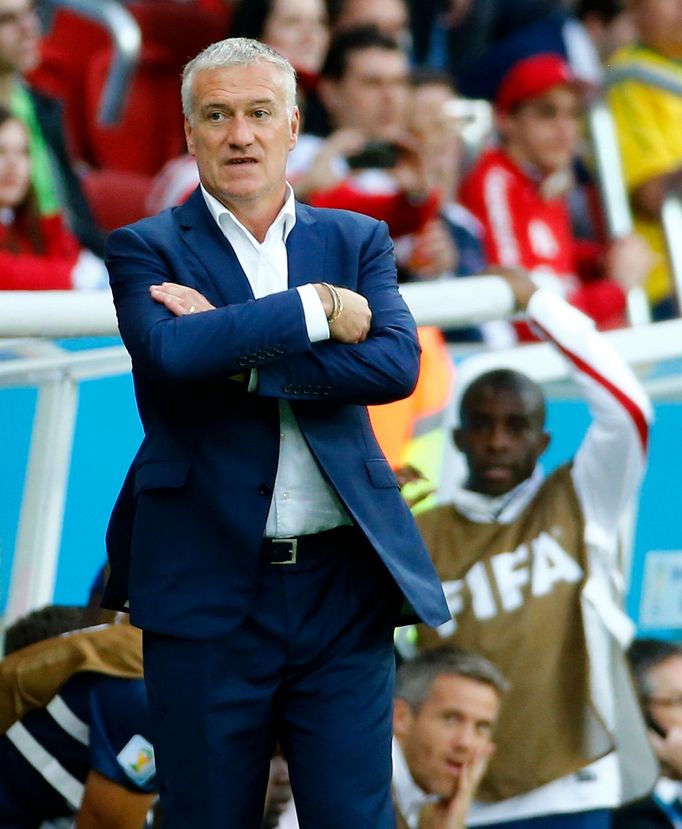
<point x="312" y="667"/>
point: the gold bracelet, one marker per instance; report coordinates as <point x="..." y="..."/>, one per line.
<point x="337" y="308"/>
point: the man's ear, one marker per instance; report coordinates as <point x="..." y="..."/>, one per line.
<point x="403" y="717"/>
<point x="294" y="127"/>
<point x="189" y="136"/>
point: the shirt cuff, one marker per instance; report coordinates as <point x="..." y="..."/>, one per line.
<point x="315" y="318"/>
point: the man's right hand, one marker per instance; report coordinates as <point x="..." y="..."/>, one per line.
<point x="353" y="324"/>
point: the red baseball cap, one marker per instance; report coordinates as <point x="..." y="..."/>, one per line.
<point x="532" y="77"/>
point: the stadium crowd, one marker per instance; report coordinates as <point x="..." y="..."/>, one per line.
<point x="462" y="125"/>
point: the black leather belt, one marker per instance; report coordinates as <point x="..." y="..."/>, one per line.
<point x="306" y="547"/>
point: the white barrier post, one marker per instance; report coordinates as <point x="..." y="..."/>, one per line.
<point x="42" y="509"/>
<point x="613" y="193"/>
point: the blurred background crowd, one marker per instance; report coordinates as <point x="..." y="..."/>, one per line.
<point x="462" y="124"/>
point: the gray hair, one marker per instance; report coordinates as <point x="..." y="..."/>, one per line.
<point x="415" y="678"/>
<point x="236" y="51"/>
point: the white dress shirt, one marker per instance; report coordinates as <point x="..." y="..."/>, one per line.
<point x="409" y="797"/>
<point x="302" y="501"/>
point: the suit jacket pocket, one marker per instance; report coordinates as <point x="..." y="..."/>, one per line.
<point x="162" y="475"/>
<point x="380" y="473"/>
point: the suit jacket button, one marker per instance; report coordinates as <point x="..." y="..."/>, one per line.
<point x="286" y="388"/>
<point x="242" y="361"/>
<point x="262" y="355"/>
<point x="264" y="489"/>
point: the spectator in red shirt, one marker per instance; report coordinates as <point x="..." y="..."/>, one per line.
<point x="36" y="252"/>
<point x="519" y="192"/>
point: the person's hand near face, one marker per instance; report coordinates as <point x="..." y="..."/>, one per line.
<point x="452" y="814"/>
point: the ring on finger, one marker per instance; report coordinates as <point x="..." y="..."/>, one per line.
<point x="191" y="309"/>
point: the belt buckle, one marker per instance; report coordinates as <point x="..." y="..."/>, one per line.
<point x="293" y="549"/>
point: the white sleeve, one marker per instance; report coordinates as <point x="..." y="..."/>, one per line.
<point x="609" y="464"/>
<point x="313" y="311"/>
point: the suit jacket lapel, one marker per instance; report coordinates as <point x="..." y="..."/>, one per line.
<point x="220" y="275"/>
<point x="306" y="249"/>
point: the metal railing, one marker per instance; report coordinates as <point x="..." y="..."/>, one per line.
<point x="57" y="375"/>
<point x="127" y="42"/>
<point x="671" y="220"/>
<point x="614" y="196"/>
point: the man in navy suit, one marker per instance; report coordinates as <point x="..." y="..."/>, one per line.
<point x="260" y="539"/>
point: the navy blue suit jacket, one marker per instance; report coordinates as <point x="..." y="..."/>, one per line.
<point x="185" y="533"/>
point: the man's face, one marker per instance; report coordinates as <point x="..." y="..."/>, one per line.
<point x="501" y="437"/>
<point x="665" y="701"/>
<point x="545" y="131"/>
<point x="373" y="93"/>
<point x="241" y="134"/>
<point x="453" y="725"/>
<point x="389" y="16"/>
<point x="659" y="25"/>
<point x="19" y="36"/>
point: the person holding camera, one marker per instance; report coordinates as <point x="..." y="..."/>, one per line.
<point x="369" y="163"/>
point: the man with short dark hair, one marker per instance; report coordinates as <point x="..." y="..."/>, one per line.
<point x="530" y="568"/>
<point x="446" y="704"/>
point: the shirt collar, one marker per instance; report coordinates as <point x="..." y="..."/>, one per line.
<point x="225" y="219"/>
<point x="410" y="798"/>
<point x="498" y="508"/>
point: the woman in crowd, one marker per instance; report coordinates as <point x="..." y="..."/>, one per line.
<point x="36" y="252"/>
<point x="298" y="29"/>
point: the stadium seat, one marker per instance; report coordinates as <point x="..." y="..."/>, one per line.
<point x="66" y="50"/>
<point x="116" y="197"/>
<point x="77" y="54"/>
